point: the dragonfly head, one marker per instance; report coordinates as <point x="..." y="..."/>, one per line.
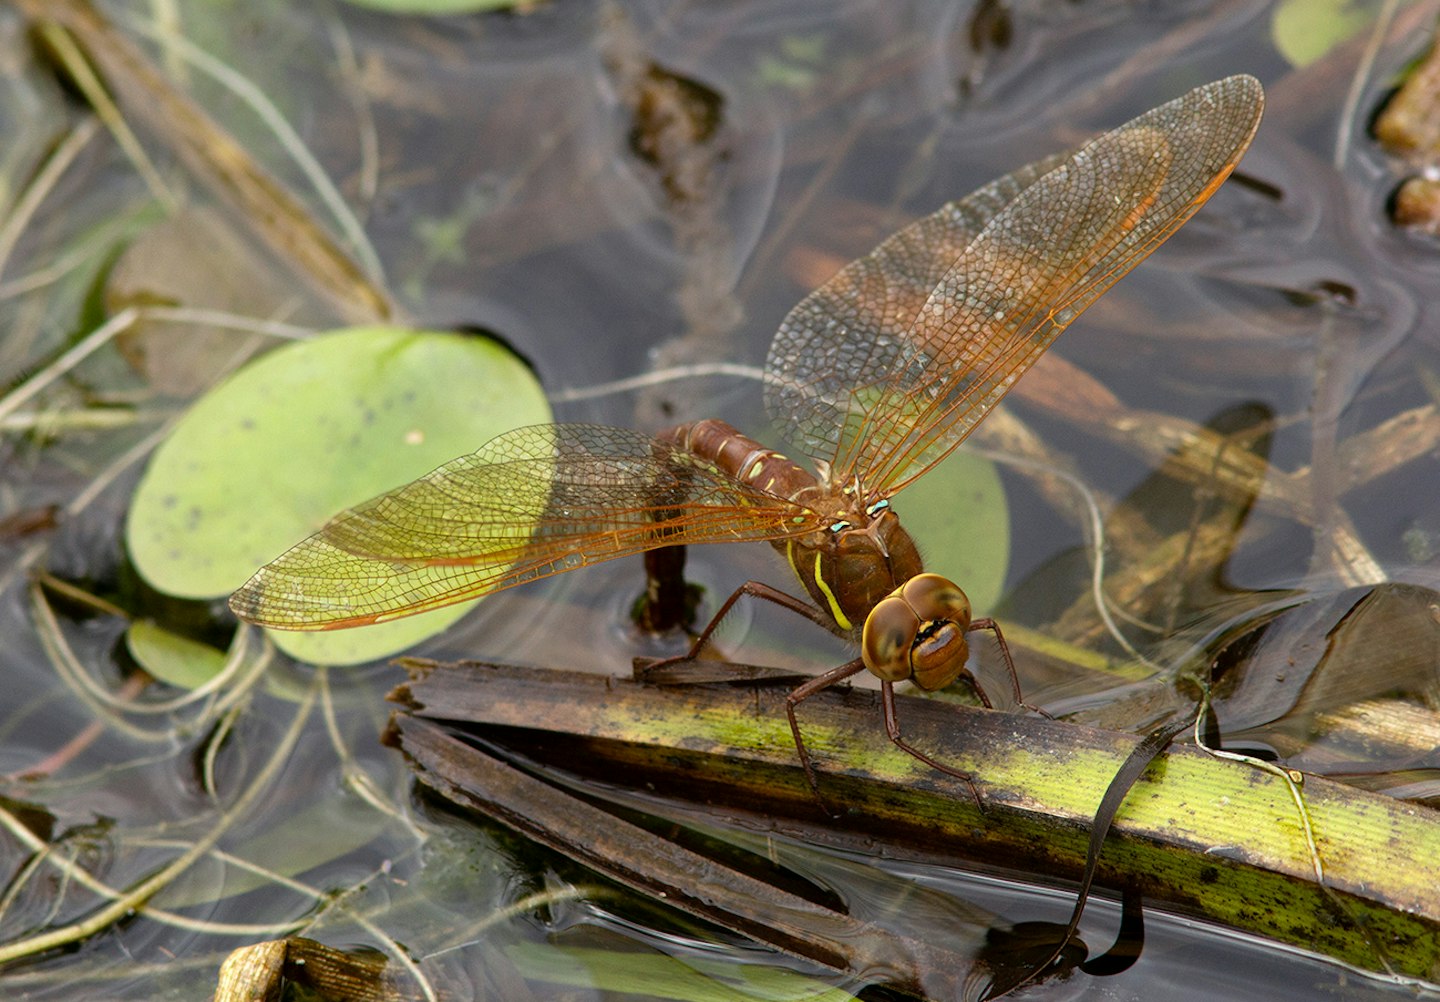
<point x="918" y="633"/>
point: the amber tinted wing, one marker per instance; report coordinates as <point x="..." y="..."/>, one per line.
<point x="530" y="503"/>
<point x="851" y="332"/>
<point x="884" y="388"/>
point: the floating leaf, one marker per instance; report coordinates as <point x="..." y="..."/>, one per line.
<point x="958" y="516"/>
<point x="1304" y="30"/>
<point x="171" y="658"/>
<point x="308" y="430"/>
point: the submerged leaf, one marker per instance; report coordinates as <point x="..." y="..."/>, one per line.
<point x="197" y="259"/>
<point x="695" y="979"/>
<point x="310" y="429"/>
<point x="301" y="841"/>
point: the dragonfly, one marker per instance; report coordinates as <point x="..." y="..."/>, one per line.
<point x="877" y="376"/>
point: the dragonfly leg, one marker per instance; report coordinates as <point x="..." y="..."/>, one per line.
<point x="892" y="728"/>
<point x="754" y="589"/>
<point x="976" y="688"/>
<point x="994" y="627"/>
<point x="757" y="589"/>
<point x="803" y="692"/>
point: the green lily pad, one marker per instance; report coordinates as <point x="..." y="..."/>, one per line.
<point x="958" y="517"/>
<point x="171" y="658"/>
<point x="1304" y="30"/>
<point x="188" y="664"/>
<point x="310" y="429"/>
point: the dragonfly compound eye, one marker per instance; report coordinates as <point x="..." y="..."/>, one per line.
<point x="936" y="599"/>
<point x="889" y="633"/>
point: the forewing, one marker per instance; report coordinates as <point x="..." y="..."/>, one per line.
<point x="530" y="503"/>
<point x="852" y="331"/>
<point x="895" y="407"/>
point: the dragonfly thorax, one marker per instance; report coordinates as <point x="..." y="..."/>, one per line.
<point x="850" y="566"/>
<point x="865" y="572"/>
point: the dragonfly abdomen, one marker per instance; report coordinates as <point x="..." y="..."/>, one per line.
<point x="741" y="457"/>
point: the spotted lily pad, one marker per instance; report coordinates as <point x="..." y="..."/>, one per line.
<point x="304" y="432"/>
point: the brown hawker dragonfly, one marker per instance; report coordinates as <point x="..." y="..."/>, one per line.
<point x="879" y="374"/>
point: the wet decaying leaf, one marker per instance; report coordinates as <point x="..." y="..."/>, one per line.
<point x="1339" y="684"/>
<point x="991" y="32"/>
<point x="34" y="817"/>
<point x="1409" y="127"/>
<point x="252" y="973"/>
<point x="679" y="135"/>
<point x="1175" y="531"/>
<point x="216" y="159"/>
<point x="1198" y="835"/>
<point x="1283" y="683"/>
<point x="261" y="973"/>
<point x="1417" y="204"/>
<point x="674" y="118"/>
<point x="196" y="259"/>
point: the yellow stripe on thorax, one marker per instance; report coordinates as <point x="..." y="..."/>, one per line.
<point x="840" y="618"/>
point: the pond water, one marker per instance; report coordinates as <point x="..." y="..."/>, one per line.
<point x="628" y="188"/>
